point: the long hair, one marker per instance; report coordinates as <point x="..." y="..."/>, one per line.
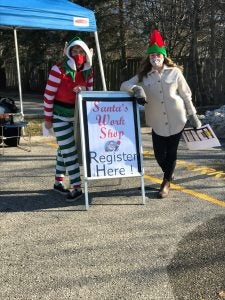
<point x="145" y="66"/>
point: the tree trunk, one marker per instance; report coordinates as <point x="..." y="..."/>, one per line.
<point x="193" y="57"/>
<point x="123" y="72"/>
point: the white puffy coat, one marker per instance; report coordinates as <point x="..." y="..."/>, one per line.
<point x="169" y="99"/>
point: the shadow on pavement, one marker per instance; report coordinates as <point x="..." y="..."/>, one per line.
<point x="197" y="271"/>
<point x="16" y="201"/>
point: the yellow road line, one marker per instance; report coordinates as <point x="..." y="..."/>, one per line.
<point x="194" y="167"/>
<point x="176" y="186"/>
<point x="188" y="191"/>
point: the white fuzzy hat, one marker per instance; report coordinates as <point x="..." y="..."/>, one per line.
<point x="76" y="41"/>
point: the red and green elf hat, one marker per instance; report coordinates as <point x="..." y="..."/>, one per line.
<point x="156" y="43"/>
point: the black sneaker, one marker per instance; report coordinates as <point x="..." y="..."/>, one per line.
<point x="61" y="189"/>
<point x="74" y="195"/>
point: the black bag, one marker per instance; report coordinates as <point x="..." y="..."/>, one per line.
<point x="7" y="106"/>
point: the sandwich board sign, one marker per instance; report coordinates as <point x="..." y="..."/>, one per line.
<point x="110" y="137"/>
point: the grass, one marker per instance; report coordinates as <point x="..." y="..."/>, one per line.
<point x="35" y="126"/>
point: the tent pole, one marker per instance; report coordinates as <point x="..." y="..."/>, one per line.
<point x="18" y="70"/>
<point x="100" y="61"/>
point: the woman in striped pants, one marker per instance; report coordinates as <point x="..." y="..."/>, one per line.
<point x="65" y="81"/>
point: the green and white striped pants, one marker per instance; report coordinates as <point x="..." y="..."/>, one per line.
<point x="67" y="157"/>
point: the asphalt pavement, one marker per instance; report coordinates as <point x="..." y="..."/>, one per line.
<point x="167" y="249"/>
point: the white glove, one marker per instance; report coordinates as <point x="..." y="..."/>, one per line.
<point x="139" y="94"/>
<point x="194" y="121"/>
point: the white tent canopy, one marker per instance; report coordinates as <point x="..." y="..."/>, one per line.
<point x="49" y="15"/>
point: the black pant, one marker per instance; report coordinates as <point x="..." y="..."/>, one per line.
<point x="165" y="150"/>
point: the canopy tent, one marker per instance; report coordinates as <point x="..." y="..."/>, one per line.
<point x="49" y="15"/>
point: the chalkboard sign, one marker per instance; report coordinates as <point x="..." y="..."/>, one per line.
<point x="110" y="135"/>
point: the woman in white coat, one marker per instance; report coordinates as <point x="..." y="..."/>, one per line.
<point x="162" y="88"/>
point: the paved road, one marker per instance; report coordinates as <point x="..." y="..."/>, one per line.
<point x="168" y="249"/>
